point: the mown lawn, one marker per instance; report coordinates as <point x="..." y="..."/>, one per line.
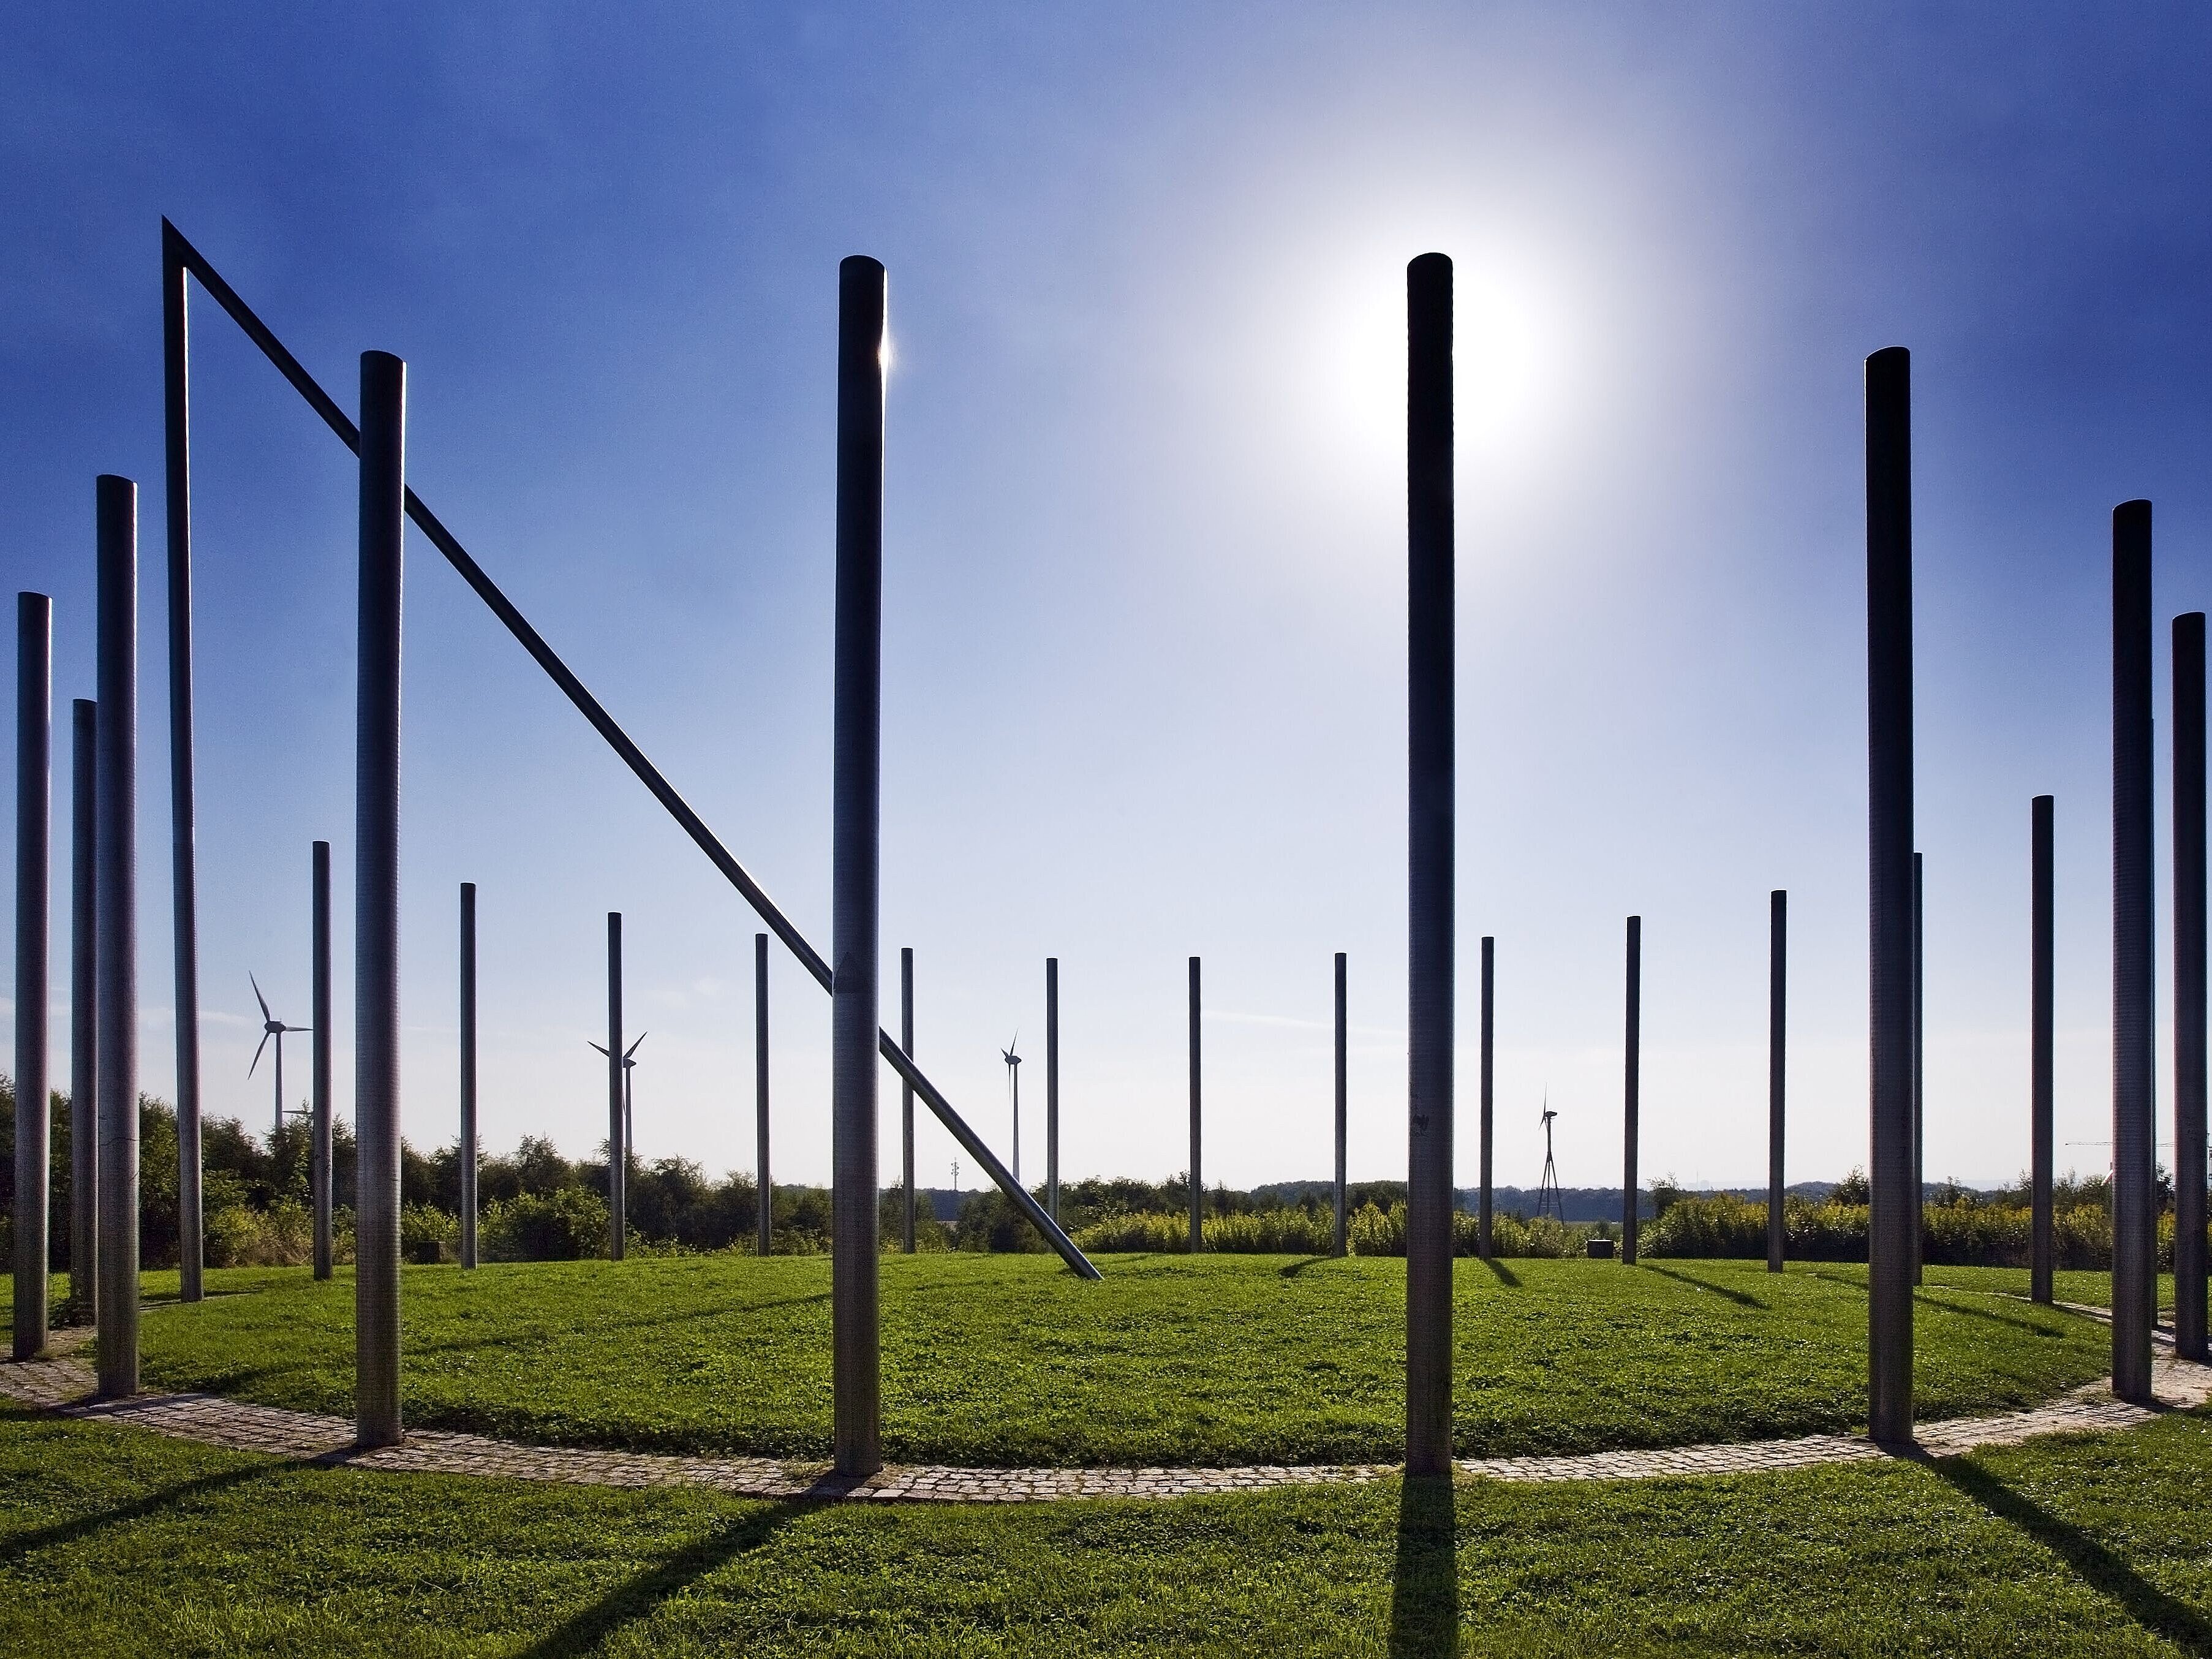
<point x="116" y="1541"/>
<point x="1220" y="1359"/>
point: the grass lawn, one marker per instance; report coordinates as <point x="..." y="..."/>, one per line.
<point x="116" y="1541"/>
<point x="1220" y="1359"/>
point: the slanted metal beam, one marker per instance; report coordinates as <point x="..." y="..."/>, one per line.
<point x="181" y="255"/>
<point x="34" y="815"/>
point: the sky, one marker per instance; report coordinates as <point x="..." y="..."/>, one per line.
<point x="1144" y="585"/>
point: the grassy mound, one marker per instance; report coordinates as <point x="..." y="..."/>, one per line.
<point x="1011" y="1360"/>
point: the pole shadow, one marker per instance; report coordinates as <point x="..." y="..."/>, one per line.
<point x="68" y="1531"/>
<point x="1293" y="1269"/>
<point x="2031" y="1327"/>
<point x="1504" y="1274"/>
<point x="1425" y="1587"/>
<point x="2095" y="1565"/>
<point x="584" y="1632"/>
<point x="1742" y="1298"/>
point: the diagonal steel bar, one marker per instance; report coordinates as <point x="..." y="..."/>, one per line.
<point x="192" y="259"/>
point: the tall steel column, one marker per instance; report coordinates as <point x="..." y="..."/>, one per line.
<point x="1777" y="1037"/>
<point x="468" y="1074"/>
<point x="1197" y="1184"/>
<point x="763" y="1189"/>
<point x="376" y="902"/>
<point x="319" y="1126"/>
<point x="2189" y="989"/>
<point x="906" y="1100"/>
<point x="856" y="871"/>
<point x="1430" y="765"/>
<point x="1632" y="1091"/>
<point x="2041" y="960"/>
<point x="1919" y="1065"/>
<point x="176" y="384"/>
<point x="1343" y="1078"/>
<point x="84" y="1021"/>
<point x="2135" y="1201"/>
<point x="115" y="797"/>
<point x="1488" y="1074"/>
<point x="618" y="1148"/>
<point x="35" y="812"/>
<point x="1052" y="1087"/>
<point x="1893" y="1220"/>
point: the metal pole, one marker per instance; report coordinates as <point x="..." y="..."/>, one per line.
<point x="2189" y="987"/>
<point x="1919" y="1068"/>
<point x="1431" y="749"/>
<point x="1894" y="1221"/>
<point x="318" y="1154"/>
<point x="905" y="1102"/>
<point x="617" y="1160"/>
<point x="115" y="796"/>
<point x="1342" y="1079"/>
<point x="35" y="736"/>
<point x="84" y="1025"/>
<point x="1197" y="1185"/>
<point x="376" y="902"/>
<point x="1489" y="1031"/>
<point x="2041" y="960"/>
<point x="855" y="875"/>
<point x="183" y="889"/>
<point x="1631" y="1083"/>
<point x="763" y="1192"/>
<point x="468" y="1074"/>
<point x="2134" y="1207"/>
<point x="1052" y="1087"/>
<point x="1778" y="1037"/>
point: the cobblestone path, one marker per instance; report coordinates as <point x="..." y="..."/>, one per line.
<point x="62" y="1383"/>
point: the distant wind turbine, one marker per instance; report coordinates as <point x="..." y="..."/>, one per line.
<point x="629" y="1066"/>
<point x="1014" y="1076"/>
<point x="272" y="1027"/>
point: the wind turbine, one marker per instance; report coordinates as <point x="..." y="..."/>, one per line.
<point x="1014" y="1076"/>
<point x="629" y="1066"/>
<point x="272" y="1027"/>
<point x="1547" y="1186"/>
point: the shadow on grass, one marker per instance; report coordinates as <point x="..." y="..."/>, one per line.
<point x="1425" y="1587"/>
<point x="1504" y="1275"/>
<point x="2034" y="1328"/>
<point x="2095" y="1564"/>
<point x="1293" y="1269"/>
<point x="643" y="1595"/>
<point x="68" y="1531"/>
<point x="1844" y="1279"/>
<point x="1742" y="1298"/>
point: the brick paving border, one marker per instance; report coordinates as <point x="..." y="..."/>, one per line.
<point x="62" y="1383"/>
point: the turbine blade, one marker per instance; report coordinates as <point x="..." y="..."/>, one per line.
<point x="259" y="998"/>
<point x="595" y="1045"/>
<point x="256" y="1054"/>
<point x="632" y="1049"/>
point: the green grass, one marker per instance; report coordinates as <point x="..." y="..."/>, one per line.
<point x="114" y="1541"/>
<point x="1225" y="1359"/>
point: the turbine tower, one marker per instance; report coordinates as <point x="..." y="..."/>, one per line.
<point x="630" y="1122"/>
<point x="1547" y="1186"/>
<point x="1014" y="1077"/>
<point x="272" y="1027"/>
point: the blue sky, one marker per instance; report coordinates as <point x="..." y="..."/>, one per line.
<point x="1144" y="656"/>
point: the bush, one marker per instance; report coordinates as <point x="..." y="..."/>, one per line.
<point x="428" y="1235"/>
<point x="283" y="1236"/>
<point x="565" y="1225"/>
